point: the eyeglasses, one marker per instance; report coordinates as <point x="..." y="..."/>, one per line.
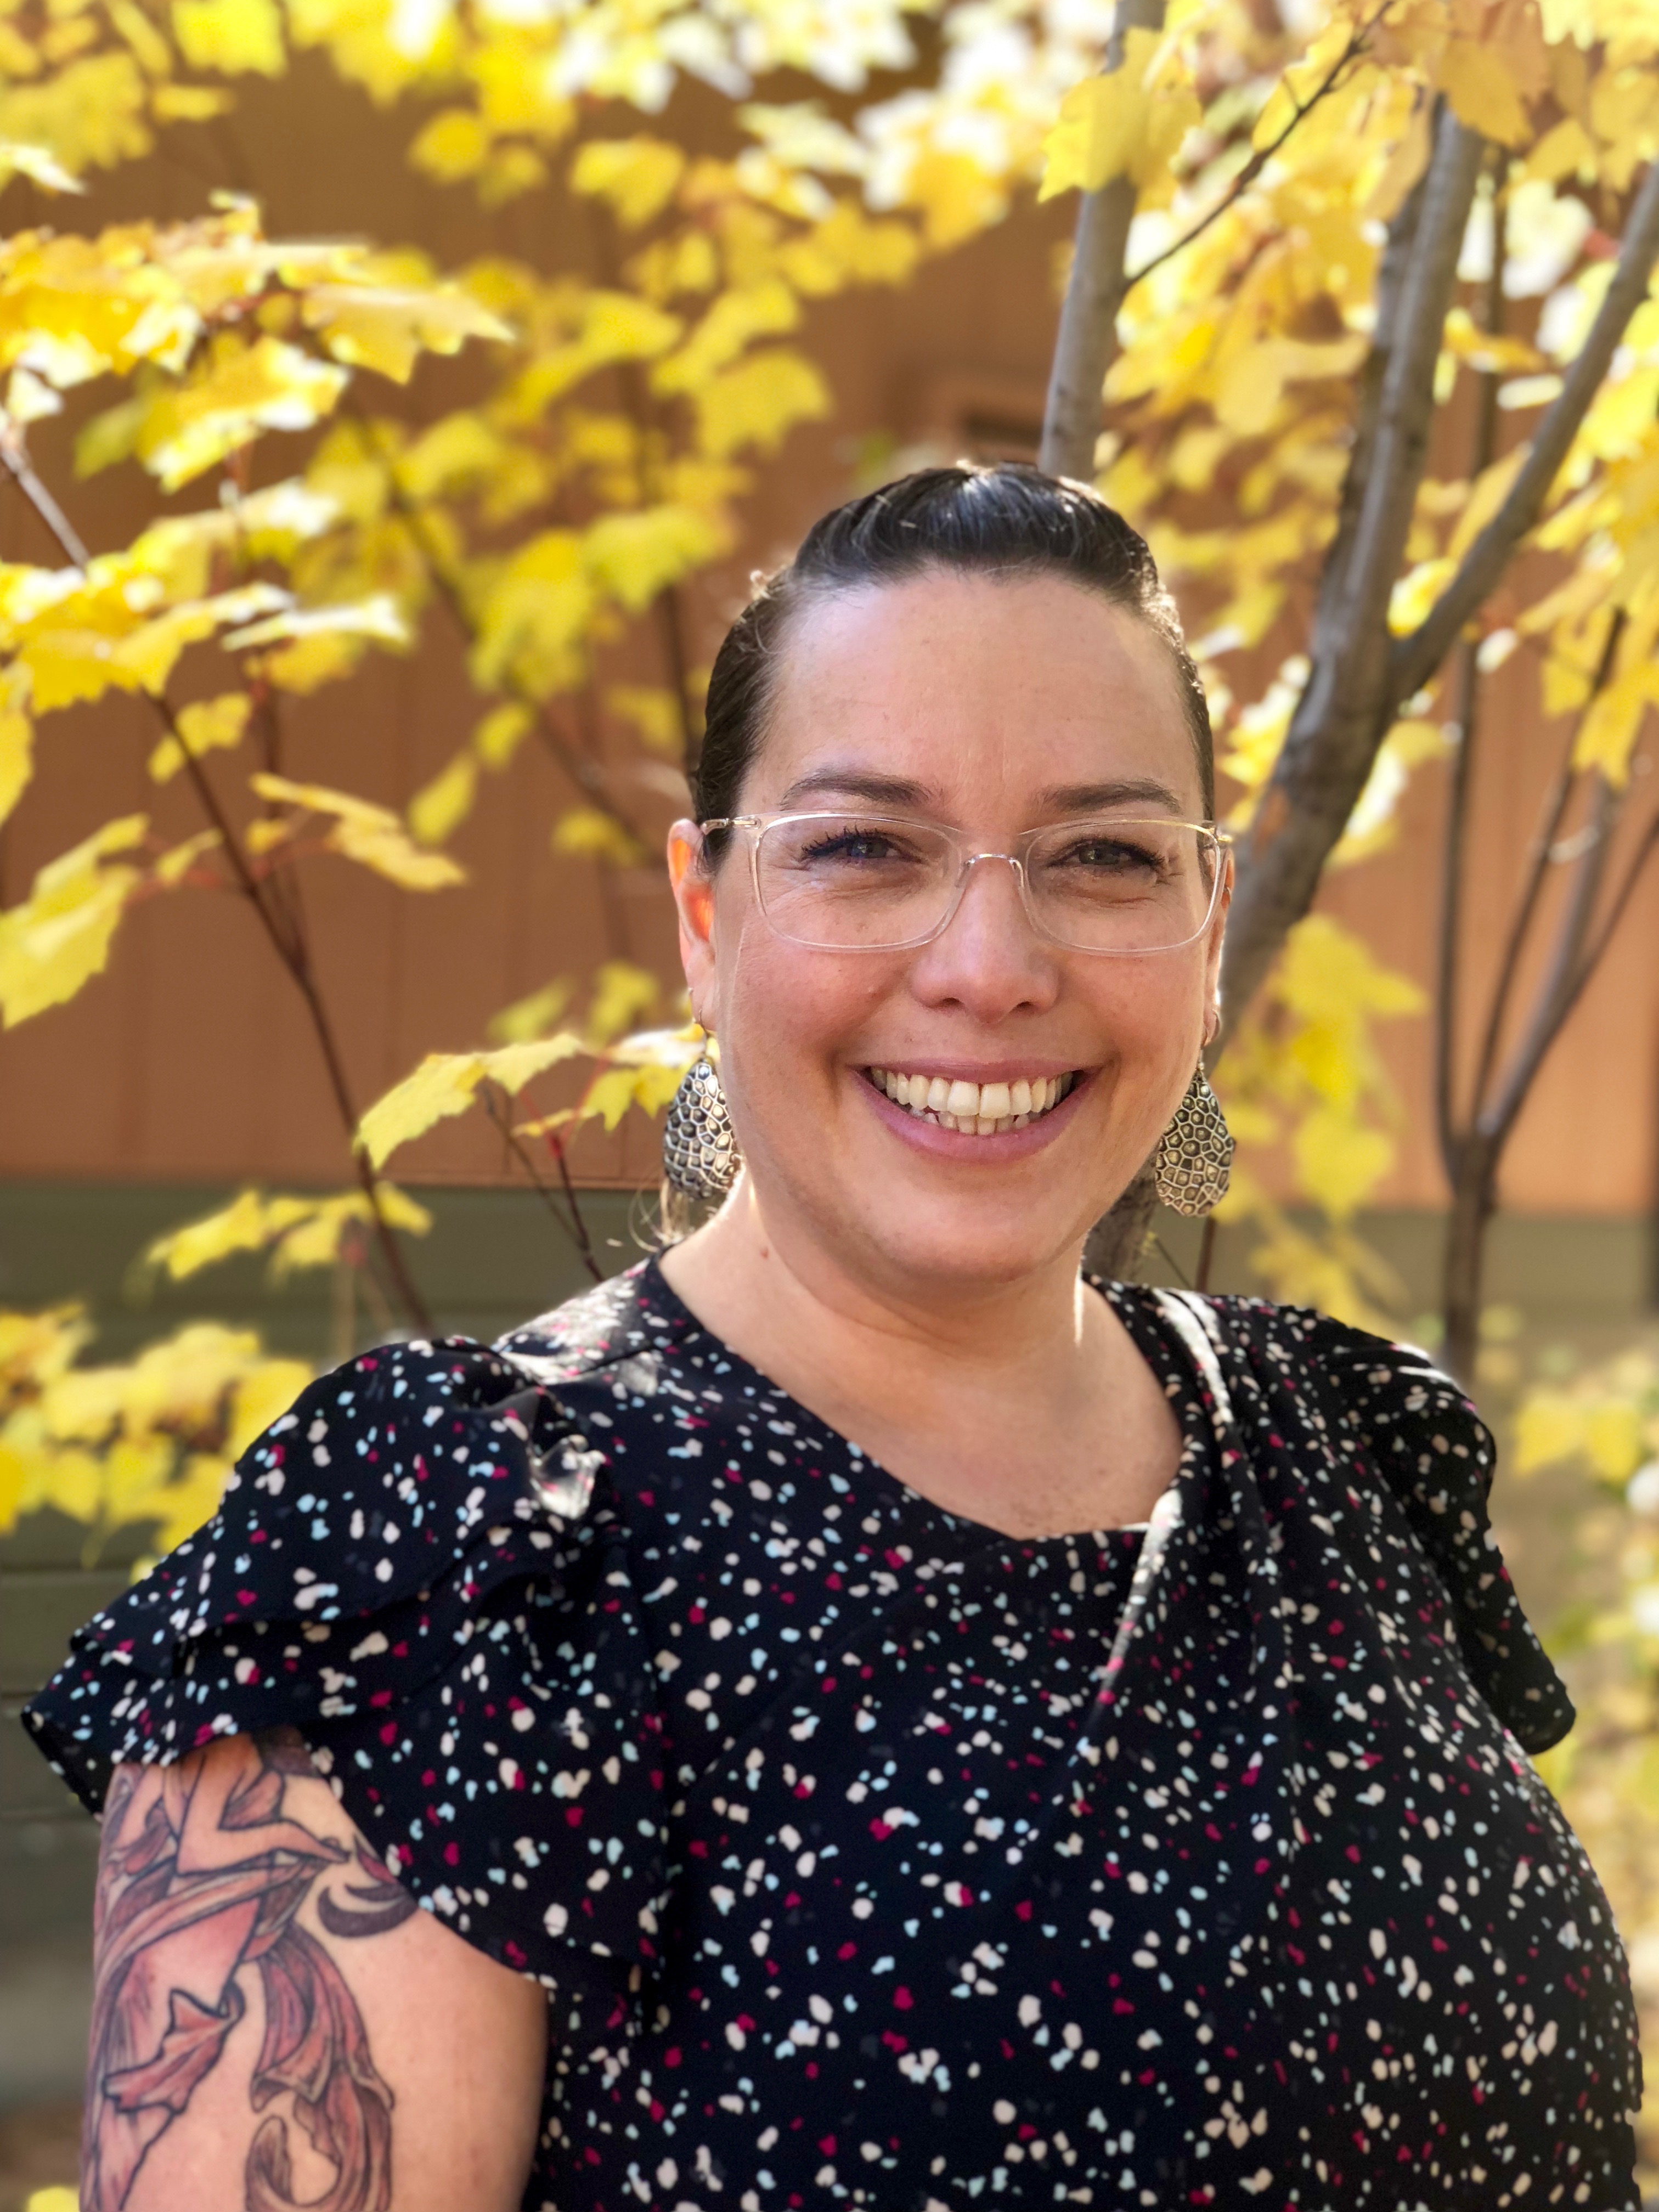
<point x="881" y="883"/>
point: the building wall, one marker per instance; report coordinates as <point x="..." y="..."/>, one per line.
<point x="191" y="1058"/>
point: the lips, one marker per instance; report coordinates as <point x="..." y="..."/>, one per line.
<point x="982" y="1109"/>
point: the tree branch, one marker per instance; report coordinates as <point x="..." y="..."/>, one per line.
<point x="1559" y="991"/>
<point x="588" y="778"/>
<point x="573" y="1225"/>
<point x="1347" y="707"/>
<point x="1087" y="338"/>
<point x="15" y="455"/>
<point x="1259" y="159"/>
<point x="287" y="941"/>
<point x="1413" y="659"/>
<point x="1543" y="847"/>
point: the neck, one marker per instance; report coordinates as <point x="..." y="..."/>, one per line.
<point x="776" y="1291"/>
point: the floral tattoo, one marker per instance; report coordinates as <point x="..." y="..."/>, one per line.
<point x="203" y="1845"/>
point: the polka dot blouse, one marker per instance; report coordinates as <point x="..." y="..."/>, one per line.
<point x="871" y="1857"/>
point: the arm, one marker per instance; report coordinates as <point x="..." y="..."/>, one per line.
<point x="275" y="2023"/>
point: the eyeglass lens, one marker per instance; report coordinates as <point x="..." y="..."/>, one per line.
<point x="868" y="882"/>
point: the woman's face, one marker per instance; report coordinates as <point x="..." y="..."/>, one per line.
<point x="993" y="707"/>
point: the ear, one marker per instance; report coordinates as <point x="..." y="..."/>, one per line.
<point x="694" y="900"/>
<point x="1218" y="933"/>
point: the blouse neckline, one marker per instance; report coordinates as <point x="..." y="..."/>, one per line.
<point x="1135" y="1306"/>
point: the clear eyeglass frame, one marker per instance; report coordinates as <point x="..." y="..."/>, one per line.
<point x="1217" y="840"/>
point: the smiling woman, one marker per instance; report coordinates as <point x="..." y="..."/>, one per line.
<point x="940" y="1729"/>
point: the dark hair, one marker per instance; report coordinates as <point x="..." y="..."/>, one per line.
<point x="1006" y="520"/>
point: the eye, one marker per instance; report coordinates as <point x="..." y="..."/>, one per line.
<point x="1108" y="856"/>
<point x="851" y="845"/>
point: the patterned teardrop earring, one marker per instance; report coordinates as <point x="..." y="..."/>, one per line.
<point x="1195" y="1153"/>
<point x="700" y="1155"/>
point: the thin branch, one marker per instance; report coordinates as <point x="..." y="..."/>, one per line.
<point x="1537" y="874"/>
<point x="573" y="1225"/>
<point x="588" y="778"/>
<point x="289" y="943"/>
<point x="1645" y="848"/>
<point x="1262" y="155"/>
<point x="1560" y="988"/>
<point x="14" y="454"/>
<point x="1451" y="906"/>
<point x="1468" y="705"/>
<point x="1414" y="658"/>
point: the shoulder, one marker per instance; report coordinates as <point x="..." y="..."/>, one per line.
<point x="1384" y="1411"/>
<point x="1323" y="1373"/>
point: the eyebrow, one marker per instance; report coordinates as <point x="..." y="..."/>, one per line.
<point x="881" y="790"/>
<point x="861" y="783"/>
<point x="1090" y="797"/>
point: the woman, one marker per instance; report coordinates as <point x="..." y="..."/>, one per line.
<point x="872" y="1716"/>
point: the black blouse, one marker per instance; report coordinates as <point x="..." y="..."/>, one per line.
<point x="873" y="1857"/>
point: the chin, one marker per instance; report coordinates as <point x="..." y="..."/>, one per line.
<point x="958" y="1249"/>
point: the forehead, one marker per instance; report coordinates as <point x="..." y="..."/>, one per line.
<point x="983" y="692"/>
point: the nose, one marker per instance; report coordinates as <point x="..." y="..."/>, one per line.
<point x="987" y="959"/>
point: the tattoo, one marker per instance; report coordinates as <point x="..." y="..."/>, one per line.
<point x="204" y="1845"/>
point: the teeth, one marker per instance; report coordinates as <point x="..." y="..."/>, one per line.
<point x="982" y="1110"/>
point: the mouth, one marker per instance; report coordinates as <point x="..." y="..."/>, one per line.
<point x="973" y="1110"/>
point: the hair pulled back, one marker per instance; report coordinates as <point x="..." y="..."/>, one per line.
<point x="1006" y="519"/>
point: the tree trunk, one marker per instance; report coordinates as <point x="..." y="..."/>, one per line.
<point x="1474" y="1200"/>
<point x="1087" y="338"/>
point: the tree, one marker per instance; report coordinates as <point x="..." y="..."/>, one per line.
<point x="1419" y="119"/>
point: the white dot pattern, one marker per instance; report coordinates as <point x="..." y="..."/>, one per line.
<point x="873" y="1858"/>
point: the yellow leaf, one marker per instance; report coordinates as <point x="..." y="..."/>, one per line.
<point x="60" y="937"/>
<point x="17" y="738"/>
<point x="636" y="555"/>
<point x="1475" y="76"/>
<point x="445" y="1084"/>
<point x="652" y="711"/>
<point x="622" y="995"/>
<point x="1128" y="121"/>
<point x="532" y="1016"/>
<point x="247" y="1224"/>
<point x="386" y="330"/>
<point x="1613" y="722"/>
<point x="611" y="1095"/>
<point x="439" y="807"/>
<point x="261" y="1397"/>
<point x="635" y="175"/>
<point x="497" y="737"/>
<point x="190" y="103"/>
<point x="230" y="35"/>
<point x="242" y="389"/>
<point x="586" y="834"/>
<point x="38" y="165"/>
<point x="759" y="401"/>
<point x="453" y="145"/>
<point x="1340" y="1161"/>
<point x="737" y="317"/>
<point x="210" y="724"/>
<point x="957" y="196"/>
<point x="194" y="1497"/>
<point x="387" y="849"/>
<point x="176" y="863"/>
<point x="534" y="615"/>
<point x="379" y="615"/>
<point x="1490" y="490"/>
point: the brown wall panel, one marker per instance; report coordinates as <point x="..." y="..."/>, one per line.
<point x="192" y="1057"/>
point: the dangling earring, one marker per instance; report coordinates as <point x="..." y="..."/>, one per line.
<point x="700" y="1156"/>
<point x="1195" y="1152"/>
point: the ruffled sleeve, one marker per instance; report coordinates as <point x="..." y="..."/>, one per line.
<point x="423" y="1566"/>
<point x="1436" y="1455"/>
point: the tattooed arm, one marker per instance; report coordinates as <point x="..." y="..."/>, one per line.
<point x="275" y="2023"/>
